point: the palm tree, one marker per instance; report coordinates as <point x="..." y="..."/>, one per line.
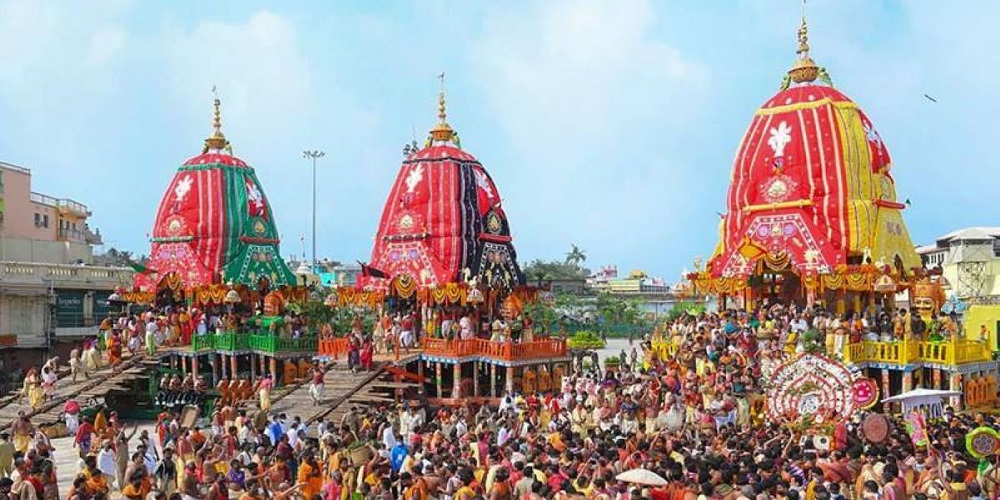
<point x="575" y="256"/>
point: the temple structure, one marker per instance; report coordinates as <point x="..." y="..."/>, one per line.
<point x="812" y="216"/>
<point x="812" y="212"/>
<point x="443" y="221"/>
<point x="214" y="226"/>
<point x="444" y="257"/>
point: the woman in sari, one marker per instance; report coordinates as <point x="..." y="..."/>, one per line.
<point x="264" y="392"/>
<point x="105" y="329"/>
<point x="114" y="349"/>
<point x="366" y="354"/>
<point x="91" y="356"/>
<point x="32" y="389"/>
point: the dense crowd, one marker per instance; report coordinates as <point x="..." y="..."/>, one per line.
<point x="696" y="418"/>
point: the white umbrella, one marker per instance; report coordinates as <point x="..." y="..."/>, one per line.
<point x="641" y="476"/>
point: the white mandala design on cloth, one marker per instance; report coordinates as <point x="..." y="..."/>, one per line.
<point x="255" y="197"/>
<point x="780" y="137"/>
<point x="483" y="184"/>
<point x="183" y="187"/>
<point x="414" y="177"/>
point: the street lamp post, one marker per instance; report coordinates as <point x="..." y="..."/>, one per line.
<point x="313" y="155"/>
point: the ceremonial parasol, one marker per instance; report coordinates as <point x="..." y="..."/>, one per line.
<point x="928" y="399"/>
<point x="641" y="476"/>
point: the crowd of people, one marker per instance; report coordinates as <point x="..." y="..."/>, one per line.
<point x="696" y="418"/>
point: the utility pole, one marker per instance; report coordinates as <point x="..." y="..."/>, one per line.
<point x="313" y="155"/>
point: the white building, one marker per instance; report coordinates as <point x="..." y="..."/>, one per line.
<point x="969" y="259"/>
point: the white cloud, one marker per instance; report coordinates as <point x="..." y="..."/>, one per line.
<point x="272" y="110"/>
<point x="593" y="104"/>
<point x="263" y="80"/>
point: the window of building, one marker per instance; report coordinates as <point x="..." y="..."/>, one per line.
<point x="45" y="221"/>
<point x="38" y="219"/>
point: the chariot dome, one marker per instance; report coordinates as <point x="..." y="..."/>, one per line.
<point x="812" y="199"/>
<point x="444" y="220"/>
<point x="214" y="225"/>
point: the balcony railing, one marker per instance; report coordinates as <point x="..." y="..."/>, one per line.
<point x="29" y="273"/>
<point x="72" y="235"/>
<point x="73" y="207"/>
<point x="230" y="342"/>
<point x="334" y="347"/>
<point x="274" y="343"/>
<point x="902" y="352"/>
<point x="506" y="351"/>
<point x="43" y="199"/>
<point x="905" y="352"/>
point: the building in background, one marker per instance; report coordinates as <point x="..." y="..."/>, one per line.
<point x="329" y="273"/>
<point x="50" y="292"/>
<point x="40" y="228"/>
<point x="636" y="283"/>
<point x="969" y="259"/>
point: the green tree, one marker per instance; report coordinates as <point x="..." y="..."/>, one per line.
<point x="541" y="271"/>
<point x="620" y="311"/>
<point x="575" y="256"/>
<point x="552" y="315"/>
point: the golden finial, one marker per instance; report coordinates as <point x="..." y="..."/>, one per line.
<point x="442" y="113"/>
<point x="804" y="70"/>
<point x="442" y="132"/>
<point x="217" y="141"/>
<point x="803" y="39"/>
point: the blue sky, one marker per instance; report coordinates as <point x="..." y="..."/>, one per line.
<point x="607" y="124"/>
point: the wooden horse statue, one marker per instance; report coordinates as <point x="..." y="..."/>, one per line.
<point x="544" y="380"/>
<point x="290" y="372"/>
<point x="225" y="396"/>
<point x="528" y="382"/>
<point x="304" y="368"/>
<point x="244" y="391"/>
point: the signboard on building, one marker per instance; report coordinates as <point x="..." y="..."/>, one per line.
<point x="69" y="308"/>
